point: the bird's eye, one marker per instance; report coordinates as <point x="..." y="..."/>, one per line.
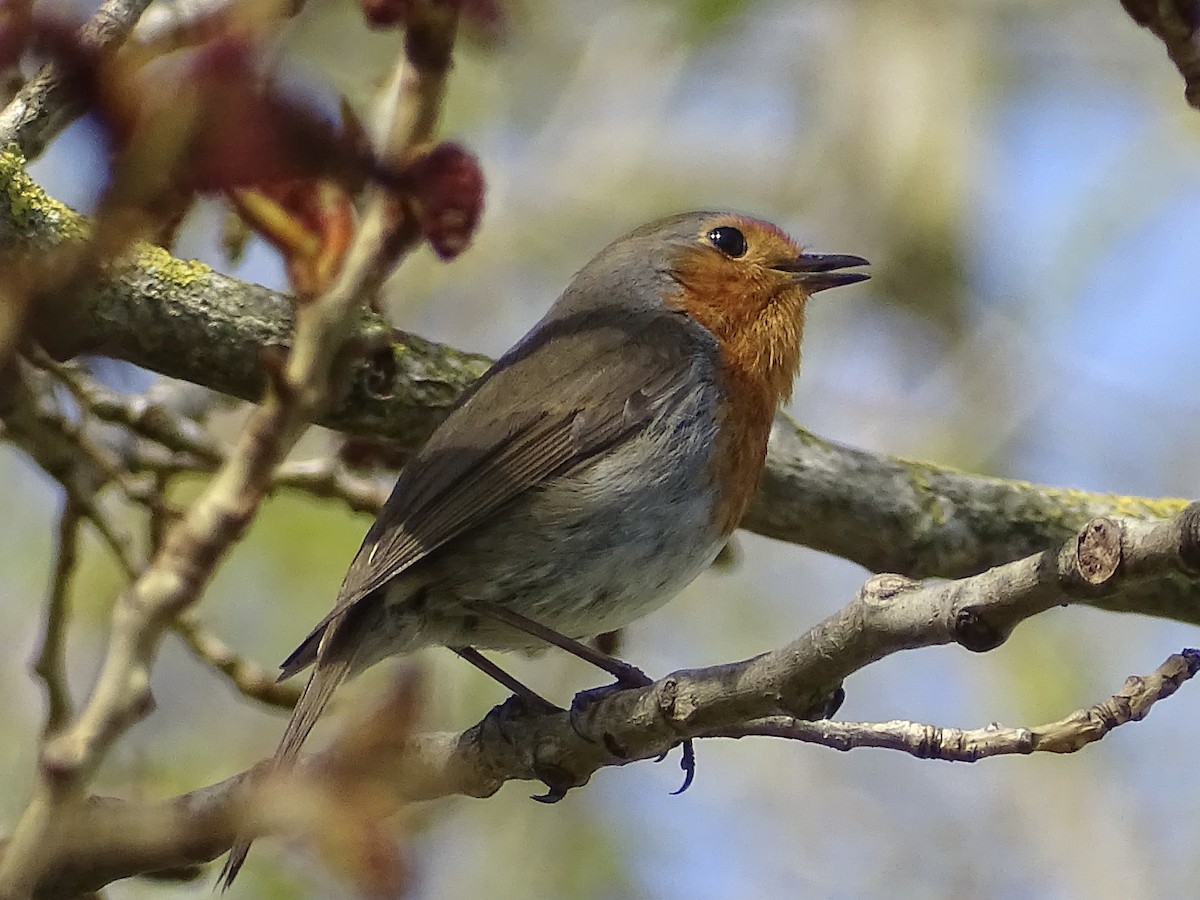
<point x="729" y="241"/>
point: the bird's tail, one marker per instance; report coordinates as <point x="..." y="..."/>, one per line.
<point x="333" y="666"/>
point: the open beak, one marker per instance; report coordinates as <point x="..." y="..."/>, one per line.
<point x="818" y="271"/>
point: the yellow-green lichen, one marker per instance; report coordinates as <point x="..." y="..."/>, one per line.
<point x="920" y="468"/>
<point x="937" y="512"/>
<point x="158" y="262"/>
<point x="32" y="209"/>
<point x="1121" y="507"/>
<point x="807" y="438"/>
<point x="1051" y="505"/>
<point x="921" y="480"/>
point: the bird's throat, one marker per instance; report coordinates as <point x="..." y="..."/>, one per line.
<point x="759" y="360"/>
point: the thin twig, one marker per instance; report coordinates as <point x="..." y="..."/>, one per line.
<point x="1067" y="735"/>
<point x="328" y="478"/>
<point x="49" y="663"/>
<point x="137" y="413"/>
<point x="59" y="447"/>
<point x="403" y="124"/>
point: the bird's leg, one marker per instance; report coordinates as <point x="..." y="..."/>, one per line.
<point x="627" y="675"/>
<point x="527" y="694"/>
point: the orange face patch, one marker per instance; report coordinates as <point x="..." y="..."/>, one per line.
<point x="756" y="314"/>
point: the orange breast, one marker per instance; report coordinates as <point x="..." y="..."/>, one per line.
<point x="758" y="329"/>
<point x="745" y="427"/>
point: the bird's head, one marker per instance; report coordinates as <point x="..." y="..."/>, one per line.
<point x="747" y="282"/>
<point x="742" y="279"/>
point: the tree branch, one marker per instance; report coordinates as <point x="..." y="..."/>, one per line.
<point x="769" y="694"/>
<point x="182" y="319"/>
<point x="50" y="661"/>
<point x="919" y="519"/>
<point x="248" y="678"/>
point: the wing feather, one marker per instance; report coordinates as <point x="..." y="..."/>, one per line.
<point x="541" y="411"/>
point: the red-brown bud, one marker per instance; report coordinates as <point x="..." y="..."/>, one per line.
<point x="447" y="188"/>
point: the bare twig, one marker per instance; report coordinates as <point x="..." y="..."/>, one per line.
<point x="140" y="414"/>
<point x="403" y="123"/>
<point x="49" y="663"/>
<point x="82" y="468"/>
<point x="1067" y="735"/>
<point x="330" y="479"/>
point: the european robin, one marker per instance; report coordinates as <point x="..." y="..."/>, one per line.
<point x="594" y="470"/>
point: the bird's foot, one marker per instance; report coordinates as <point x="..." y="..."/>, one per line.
<point x="585" y="700"/>
<point x="505" y="718"/>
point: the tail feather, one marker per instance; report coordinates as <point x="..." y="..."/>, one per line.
<point x="303" y="656"/>
<point x="333" y="665"/>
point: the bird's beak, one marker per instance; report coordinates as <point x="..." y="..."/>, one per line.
<point x="818" y="271"/>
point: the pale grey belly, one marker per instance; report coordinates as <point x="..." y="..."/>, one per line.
<point x="587" y="553"/>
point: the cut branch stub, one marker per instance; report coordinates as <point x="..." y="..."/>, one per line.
<point x="1098" y="553"/>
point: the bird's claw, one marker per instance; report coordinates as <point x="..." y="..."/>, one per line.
<point x="688" y="764"/>
<point x="824" y="707"/>
<point x="834" y="702"/>
<point x="558" y="782"/>
<point x="552" y="795"/>
<point x="629" y="675"/>
<point x="585" y="699"/>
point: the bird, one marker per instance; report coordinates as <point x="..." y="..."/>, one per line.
<point x="593" y="471"/>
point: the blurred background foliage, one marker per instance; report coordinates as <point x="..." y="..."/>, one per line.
<point x="1025" y="177"/>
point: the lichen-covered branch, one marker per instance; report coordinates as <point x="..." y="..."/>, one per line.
<point x="769" y="694"/>
<point x="185" y="320"/>
<point x="922" y="520"/>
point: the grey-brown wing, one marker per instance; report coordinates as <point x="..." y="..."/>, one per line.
<point x="551" y="405"/>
